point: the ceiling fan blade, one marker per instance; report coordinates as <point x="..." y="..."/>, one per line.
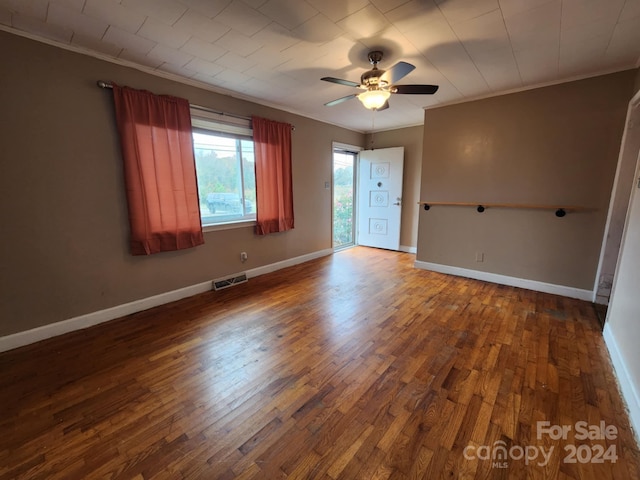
<point x="415" y="89"/>
<point x="340" y="100"/>
<point x="340" y="81"/>
<point x="398" y="71"/>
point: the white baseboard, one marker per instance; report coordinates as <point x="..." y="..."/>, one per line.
<point x="406" y="249"/>
<point x="629" y="390"/>
<point x="27" y="337"/>
<point x="506" y="280"/>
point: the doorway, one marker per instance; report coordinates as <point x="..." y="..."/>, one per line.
<point x="624" y="183"/>
<point x="344" y="184"/>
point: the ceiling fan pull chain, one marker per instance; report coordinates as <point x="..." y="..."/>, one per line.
<point x="373" y="126"/>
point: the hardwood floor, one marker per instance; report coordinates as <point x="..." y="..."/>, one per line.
<point x="355" y="366"/>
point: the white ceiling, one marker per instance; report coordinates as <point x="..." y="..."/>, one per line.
<point x="275" y="51"/>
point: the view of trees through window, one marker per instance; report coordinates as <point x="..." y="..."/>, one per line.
<point x="225" y="168"/>
<point x="343" y="181"/>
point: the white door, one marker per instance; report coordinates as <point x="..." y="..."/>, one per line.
<point x="380" y="197"/>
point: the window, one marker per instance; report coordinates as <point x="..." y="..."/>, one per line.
<point x="225" y="168"/>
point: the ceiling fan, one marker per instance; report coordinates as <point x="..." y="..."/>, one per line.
<point x="380" y="84"/>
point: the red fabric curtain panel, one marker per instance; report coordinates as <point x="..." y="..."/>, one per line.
<point x="159" y="169"/>
<point x="274" y="185"/>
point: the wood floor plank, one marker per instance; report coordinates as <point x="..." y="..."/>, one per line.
<point x="353" y="366"/>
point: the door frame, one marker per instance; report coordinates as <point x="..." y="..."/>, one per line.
<point x="356" y="170"/>
<point x="623" y="185"/>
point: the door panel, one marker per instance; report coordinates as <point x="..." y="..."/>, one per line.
<point x="380" y="197"/>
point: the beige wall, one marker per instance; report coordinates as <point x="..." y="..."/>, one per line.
<point x="411" y="139"/>
<point x="555" y="145"/>
<point x="63" y="251"/>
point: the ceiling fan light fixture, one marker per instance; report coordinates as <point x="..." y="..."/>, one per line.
<point x="374" y="99"/>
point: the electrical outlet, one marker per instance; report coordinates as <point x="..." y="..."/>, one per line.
<point x="243" y="257"/>
<point x="479" y="257"/>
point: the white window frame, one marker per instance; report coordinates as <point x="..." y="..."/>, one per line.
<point x="240" y="128"/>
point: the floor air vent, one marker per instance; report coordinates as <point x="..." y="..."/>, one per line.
<point x="223" y="283"/>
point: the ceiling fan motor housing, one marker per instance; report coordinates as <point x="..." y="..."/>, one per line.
<point x="371" y="78"/>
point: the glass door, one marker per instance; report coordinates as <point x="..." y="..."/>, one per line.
<point x="344" y="166"/>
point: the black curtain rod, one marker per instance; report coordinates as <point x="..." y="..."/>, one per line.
<point x="103" y="84"/>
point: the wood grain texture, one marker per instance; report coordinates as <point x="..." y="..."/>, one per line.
<point x="354" y="366"/>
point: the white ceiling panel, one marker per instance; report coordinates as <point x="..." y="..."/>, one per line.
<point x="164" y="34"/>
<point x="338" y="9"/>
<point x="144" y="60"/>
<point x="581" y="12"/>
<point x="208" y="8"/>
<point x="5" y="17"/>
<point x="414" y="14"/>
<point x="539" y="64"/>
<point x="234" y="62"/>
<point x="36" y="9"/>
<point x="236" y="42"/>
<point x="96" y="45"/>
<point x="288" y="14"/>
<point x="387" y="5"/>
<point x="484" y="33"/>
<point x="34" y="26"/>
<point x="204" y="50"/>
<point x="621" y="47"/>
<point x="365" y="22"/>
<point x="318" y="29"/>
<point x="200" y="26"/>
<point x="630" y="11"/>
<point x="166" y="11"/>
<point x="170" y="55"/>
<point x="514" y="7"/>
<point x="461" y="10"/>
<point x="276" y="51"/>
<point x="63" y="16"/>
<point x="76" y="5"/>
<point x="128" y="41"/>
<point x="577" y="55"/>
<point x="275" y="36"/>
<point x="243" y="18"/>
<point x="113" y="13"/>
<point x="197" y="65"/>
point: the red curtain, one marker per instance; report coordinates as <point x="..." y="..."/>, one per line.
<point x="274" y="186"/>
<point x="159" y="168"/>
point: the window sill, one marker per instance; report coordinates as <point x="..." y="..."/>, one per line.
<point x="228" y="225"/>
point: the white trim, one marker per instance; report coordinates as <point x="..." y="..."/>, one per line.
<point x="506" y="280"/>
<point x="37" y="334"/>
<point x="346" y="147"/>
<point x="407" y="249"/>
<point x="632" y="115"/>
<point x="215" y="227"/>
<point x="629" y="392"/>
<point x="90" y="319"/>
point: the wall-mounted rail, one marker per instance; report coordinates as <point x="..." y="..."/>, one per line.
<point x="560" y="210"/>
